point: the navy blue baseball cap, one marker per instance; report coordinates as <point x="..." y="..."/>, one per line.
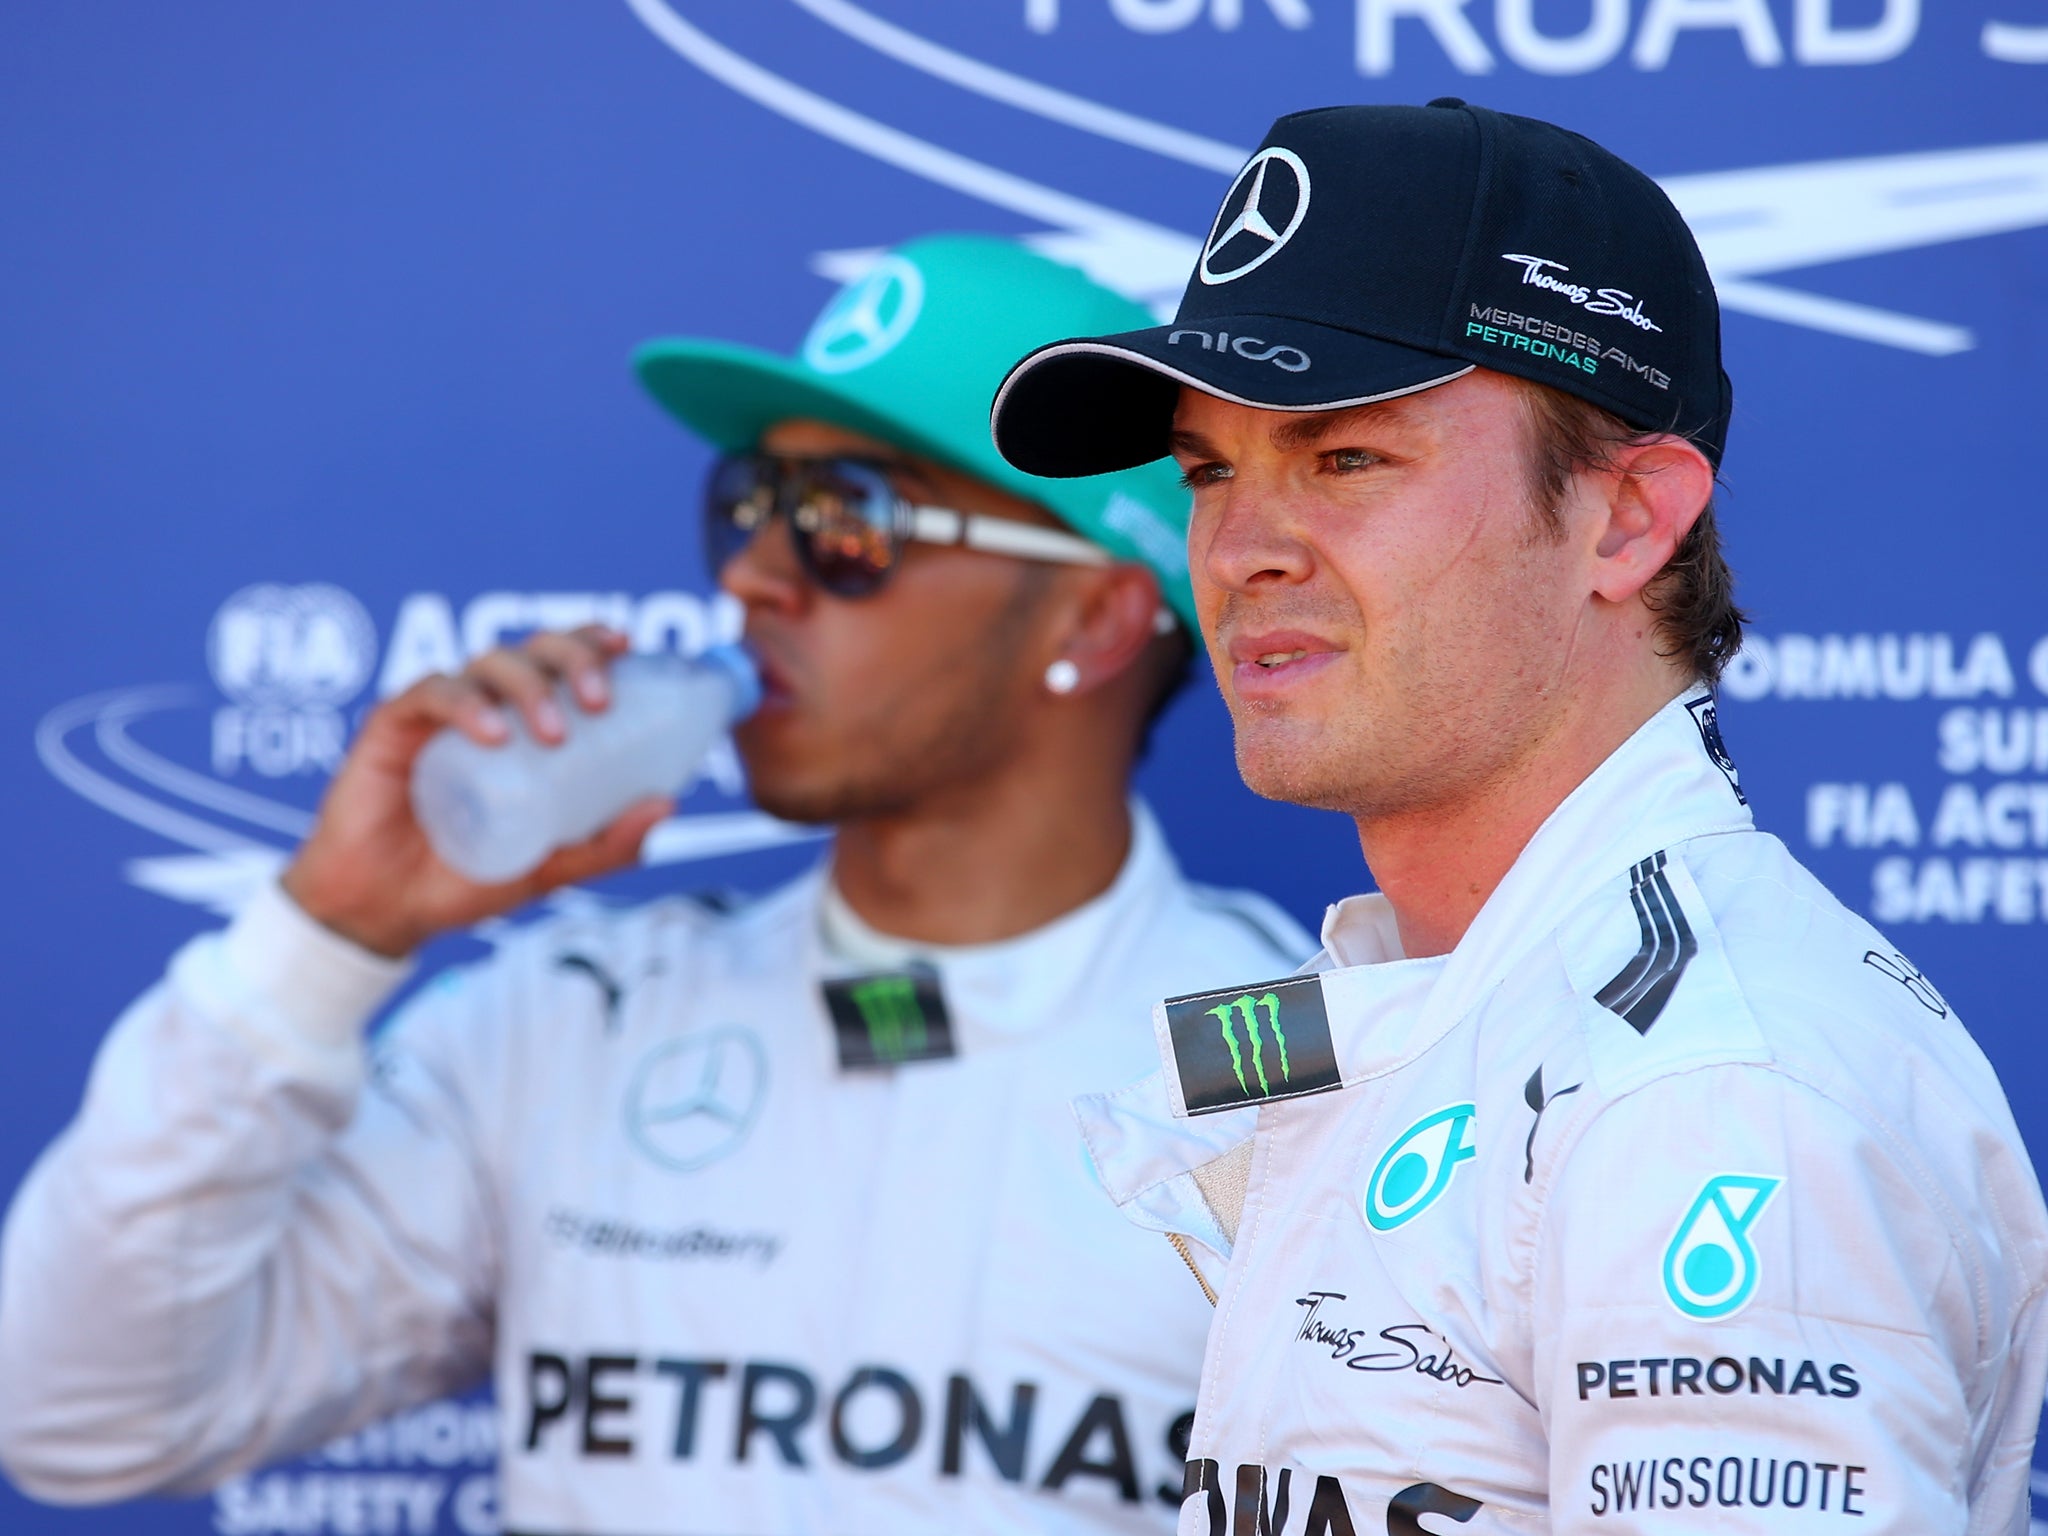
<point x="1364" y="253"/>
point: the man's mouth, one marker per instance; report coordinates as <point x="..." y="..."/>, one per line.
<point x="776" y="690"/>
<point x="1266" y="666"/>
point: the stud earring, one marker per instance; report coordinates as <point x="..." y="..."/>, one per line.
<point x="1062" y="677"/>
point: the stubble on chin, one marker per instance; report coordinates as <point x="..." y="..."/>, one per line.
<point x="1352" y="764"/>
<point x="889" y="764"/>
<point x="828" y="803"/>
<point x="1285" y="761"/>
<point x="1289" y="749"/>
<point x="820" y="785"/>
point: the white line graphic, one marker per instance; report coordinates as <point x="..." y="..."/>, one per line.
<point x="118" y="798"/>
<point x="111" y="732"/>
<point x="1778" y="218"/>
<point x="1750" y="223"/>
<point x="1863" y="322"/>
<point x="1028" y="95"/>
<point x="2015" y="45"/>
<point x="1114" y="243"/>
<point x="225" y="867"/>
<point x="685" y="839"/>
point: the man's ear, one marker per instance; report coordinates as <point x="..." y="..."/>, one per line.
<point x="1651" y="494"/>
<point x="1107" y="622"/>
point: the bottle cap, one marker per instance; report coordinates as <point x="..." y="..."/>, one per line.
<point x="737" y="664"/>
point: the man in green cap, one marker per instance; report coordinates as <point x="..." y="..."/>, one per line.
<point x="764" y="1220"/>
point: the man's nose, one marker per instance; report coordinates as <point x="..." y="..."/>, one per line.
<point x="1245" y="537"/>
<point x="764" y="573"/>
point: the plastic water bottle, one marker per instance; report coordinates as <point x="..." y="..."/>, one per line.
<point x="493" y="813"/>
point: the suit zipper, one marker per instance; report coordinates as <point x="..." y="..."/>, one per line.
<point x="1180" y="1246"/>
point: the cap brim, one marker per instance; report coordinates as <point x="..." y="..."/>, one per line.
<point x="1096" y="404"/>
<point x="729" y="395"/>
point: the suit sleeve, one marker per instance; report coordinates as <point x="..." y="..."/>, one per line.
<point x="1752" y="1312"/>
<point x="237" y="1249"/>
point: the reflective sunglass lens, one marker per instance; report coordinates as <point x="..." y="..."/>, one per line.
<point x="845" y="514"/>
<point x="842" y="513"/>
<point x="739" y="498"/>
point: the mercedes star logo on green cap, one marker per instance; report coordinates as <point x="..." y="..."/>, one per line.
<point x="867" y="317"/>
<point x="911" y="352"/>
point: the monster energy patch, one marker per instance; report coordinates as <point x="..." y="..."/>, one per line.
<point x="1245" y="1045"/>
<point x="890" y="1018"/>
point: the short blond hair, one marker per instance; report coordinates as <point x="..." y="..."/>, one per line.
<point x="1693" y="597"/>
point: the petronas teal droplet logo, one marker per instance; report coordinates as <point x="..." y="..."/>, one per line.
<point x="1415" y="1171"/>
<point x="1711" y="1267"/>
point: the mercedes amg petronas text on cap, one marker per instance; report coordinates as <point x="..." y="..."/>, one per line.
<point x="1369" y="252"/>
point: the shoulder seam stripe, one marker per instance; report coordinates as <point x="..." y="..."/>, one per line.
<point x="1640" y="990"/>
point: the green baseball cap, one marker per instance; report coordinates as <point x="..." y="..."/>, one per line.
<point x="912" y="352"/>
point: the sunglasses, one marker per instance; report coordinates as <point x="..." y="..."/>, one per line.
<point x="849" y="524"/>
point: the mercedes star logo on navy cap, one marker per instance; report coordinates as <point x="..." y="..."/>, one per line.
<point x="1369" y="252"/>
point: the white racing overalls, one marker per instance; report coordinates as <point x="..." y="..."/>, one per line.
<point x="725" y="1283"/>
<point x="1673" y="1199"/>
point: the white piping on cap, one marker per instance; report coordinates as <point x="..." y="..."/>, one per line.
<point x="1153" y="365"/>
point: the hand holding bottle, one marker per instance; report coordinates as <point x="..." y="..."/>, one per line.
<point x="368" y="870"/>
<point x="495" y="812"/>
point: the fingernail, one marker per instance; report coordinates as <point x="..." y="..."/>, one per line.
<point x="492" y="722"/>
<point x="547" y="718"/>
<point x="593" y="689"/>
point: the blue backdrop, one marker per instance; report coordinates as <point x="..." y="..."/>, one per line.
<point x="313" y="376"/>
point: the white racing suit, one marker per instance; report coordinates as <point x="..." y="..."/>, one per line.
<point x="1673" y="1199"/>
<point x="725" y="1284"/>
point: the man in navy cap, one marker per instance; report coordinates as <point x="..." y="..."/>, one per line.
<point x="1604" y="1173"/>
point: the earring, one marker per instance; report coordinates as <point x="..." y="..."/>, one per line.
<point x="1062" y="677"/>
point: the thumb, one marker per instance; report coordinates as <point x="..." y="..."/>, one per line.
<point x="613" y="848"/>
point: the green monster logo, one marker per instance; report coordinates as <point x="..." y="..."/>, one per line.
<point x="895" y="1022"/>
<point x="1247" y="1008"/>
<point x="1230" y="1047"/>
